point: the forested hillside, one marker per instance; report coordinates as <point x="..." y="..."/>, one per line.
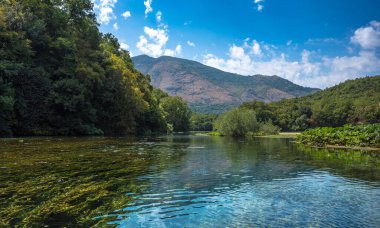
<point x="352" y="102"/>
<point x="60" y="76"/>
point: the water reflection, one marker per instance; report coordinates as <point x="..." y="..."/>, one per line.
<point x="222" y="182"/>
<point x="185" y="181"/>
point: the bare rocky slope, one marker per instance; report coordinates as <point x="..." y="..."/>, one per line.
<point x="210" y="90"/>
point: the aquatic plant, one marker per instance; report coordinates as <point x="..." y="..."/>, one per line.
<point x="349" y="135"/>
<point x="72" y="181"/>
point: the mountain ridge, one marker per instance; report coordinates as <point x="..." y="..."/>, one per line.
<point x="208" y="89"/>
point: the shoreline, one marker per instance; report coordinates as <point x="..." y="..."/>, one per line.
<point x="283" y="135"/>
<point x="329" y="146"/>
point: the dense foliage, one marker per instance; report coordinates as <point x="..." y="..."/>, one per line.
<point x="352" y="102"/>
<point x="237" y="123"/>
<point x="348" y="135"/>
<point x="268" y="128"/>
<point x="60" y="76"/>
<point x="202" y="122"/>
<point x="177" y="113"/>
<point x="242" y="122"/>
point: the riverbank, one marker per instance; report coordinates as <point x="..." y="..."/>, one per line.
<point x="283" y="135"/>
<point x="348" y="136"/>
<point x="297" y="135"/>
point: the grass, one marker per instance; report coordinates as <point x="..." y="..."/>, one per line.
<point x="208" y="133"/>
<point x="284" y="135"/>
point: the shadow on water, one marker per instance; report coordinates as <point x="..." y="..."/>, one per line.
<point x="192" y="181"/>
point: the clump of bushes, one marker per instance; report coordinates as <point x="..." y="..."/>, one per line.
<point x="242" y="122"/>
<point x="237" y="123"/>
<point x="268" y="128"/>
<point x="348" y="135"/>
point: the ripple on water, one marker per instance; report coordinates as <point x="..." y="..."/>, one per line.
<point x="298" y="201"/>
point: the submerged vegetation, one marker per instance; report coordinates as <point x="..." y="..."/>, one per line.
<point x="348" y="135"/>
<point x="72" y="181"/>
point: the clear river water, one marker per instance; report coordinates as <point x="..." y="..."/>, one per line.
<point x="185" y="181"/>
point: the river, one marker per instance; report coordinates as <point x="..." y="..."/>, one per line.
<point x="185" y="181"/>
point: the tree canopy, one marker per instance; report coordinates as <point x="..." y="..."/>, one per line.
<point x="60" y="76"/>
<point x="177" y="113"/>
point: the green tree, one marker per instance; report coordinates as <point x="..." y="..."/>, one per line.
<point x="178" y="114"/>
<point x="202" y="122"/>
<point x="237" y="122"/>
<point x="60" y="75"/>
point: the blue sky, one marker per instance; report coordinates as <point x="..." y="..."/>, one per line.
<point x="316" y="43"/>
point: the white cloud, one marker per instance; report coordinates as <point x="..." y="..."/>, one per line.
<point x="126" y="14"/>
<point x="148" y="7"/>
<point x="169" y="52"/>
<point x="178" y="49"/>
<point x="289" y="42"/>
<point x="104" y="9"/>
<point x="191" y="44"/>
<point x="115" y="26"/>
<point x="318" y="41"/>
<point x="256" y="48"/>
<point x="187" y="23"/>
<point x="159" y="16"/>
<point x="124" y="46"/>
<point x="176" y="52"/>
<point x="309" y="69"/>
<point x="159" y="35"/>
<point x="237" y="52"/>
<point x="245" y="65"/>
<point x="259" y="5"/>
<point x="368" y="37"/>
<point x="154" y="43"/>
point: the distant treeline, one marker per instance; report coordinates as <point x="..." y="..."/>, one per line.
<point x="60" y="76"/>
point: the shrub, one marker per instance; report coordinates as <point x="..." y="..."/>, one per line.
<point x="269" y="128"/>
<point x="237" y="123"/>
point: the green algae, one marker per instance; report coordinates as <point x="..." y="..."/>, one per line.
<point x="67" y="182"/>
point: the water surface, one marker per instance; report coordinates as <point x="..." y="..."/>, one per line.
<point x="185" y="181"/>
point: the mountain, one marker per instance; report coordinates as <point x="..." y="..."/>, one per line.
<point x="208" y="89"/>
